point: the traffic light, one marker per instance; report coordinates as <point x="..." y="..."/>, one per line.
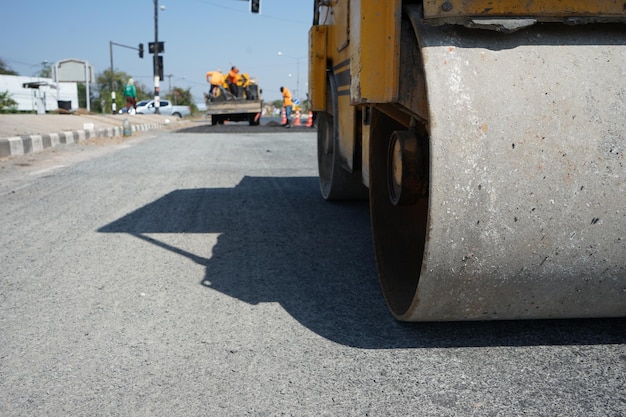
<point x="160" y="64"/>
<point x="161" y="47"/>
<point x="141" y="50"/>
<point x="255" y="6"/>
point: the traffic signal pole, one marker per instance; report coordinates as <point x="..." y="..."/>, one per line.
<point x="111" y="43"/>
<point x="156" y="57"/>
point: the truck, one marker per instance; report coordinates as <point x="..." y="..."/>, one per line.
<point x="244" y="106"/>
<point x="489" y="139"/>
<point x="165" y="107"/>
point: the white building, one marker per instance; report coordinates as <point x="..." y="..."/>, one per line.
<point x="39" y="94"/>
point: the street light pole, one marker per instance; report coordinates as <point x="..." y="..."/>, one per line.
<point x="297" y="77"/>
<point x="156" y="57"/>
<point x="113" y="106"/>
<point x="297" y="71"/>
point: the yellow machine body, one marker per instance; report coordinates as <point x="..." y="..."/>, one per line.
<point x="522" y="8"/>
<point x="489" y="138"/>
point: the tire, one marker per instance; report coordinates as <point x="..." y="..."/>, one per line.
<point x="336" y="183"/>
<point x="252" y="120"/>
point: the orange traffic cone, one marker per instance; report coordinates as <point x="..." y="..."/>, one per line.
<point x="309" y="121"/>
<point x="297" y="121"/>
<point x="284" y="119"/>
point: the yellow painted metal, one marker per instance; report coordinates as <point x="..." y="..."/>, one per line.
<point x="345" y="112"/>
<point x="523" y="8"/>
<point x="341" y="37"/>
<point x="317" y="67"/>
<point x="373" y="54"/>
<point x="364" y="63"/>
<point x="374" y="50"/>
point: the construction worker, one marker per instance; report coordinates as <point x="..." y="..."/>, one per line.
<point x="130" y="95"/>
<point x="287" y="104"/>
<point x="216" y="79"/>
<point x="233" y="80"/>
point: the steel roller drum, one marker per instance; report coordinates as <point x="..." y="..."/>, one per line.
<point x="527" y="197"/>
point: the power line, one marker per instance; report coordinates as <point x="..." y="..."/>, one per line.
<point x="247" y="12"/>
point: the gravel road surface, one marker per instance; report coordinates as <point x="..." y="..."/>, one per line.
<point x="199" y="273"/>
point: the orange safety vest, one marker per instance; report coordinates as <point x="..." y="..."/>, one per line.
<point x="287" y="101"/>
<point x="232" y="76"/>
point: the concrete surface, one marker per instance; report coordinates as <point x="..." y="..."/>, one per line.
<point x="25" y="133"/>
<point x="193" y="275"/>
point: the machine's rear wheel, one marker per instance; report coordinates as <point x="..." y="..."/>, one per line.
<point x="336" y="183"/>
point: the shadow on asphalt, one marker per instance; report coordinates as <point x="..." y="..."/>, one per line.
<point x="280" y="242"/>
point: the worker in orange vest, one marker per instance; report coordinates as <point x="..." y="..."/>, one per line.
<point x="232" y="79"/>
<point x="287" y="104"/>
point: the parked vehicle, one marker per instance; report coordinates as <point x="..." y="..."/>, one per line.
<point x="246" y="106"/>
<point x="165" y="107"/>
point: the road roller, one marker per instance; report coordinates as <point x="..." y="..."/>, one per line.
<point x="489" y="138"/>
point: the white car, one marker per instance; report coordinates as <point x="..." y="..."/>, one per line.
<point x="165" y="107"/>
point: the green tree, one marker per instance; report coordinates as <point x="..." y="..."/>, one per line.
<point x="81" y="90"/>
<point x="5" y="70"/>
<point x="181" y="97"/>
<point x="108" y="81"/>
<point x="7" y="104"/>
<point x="46" y="70"/>
<point x="143" y="92"/>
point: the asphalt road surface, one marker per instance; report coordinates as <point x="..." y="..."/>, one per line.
<point x="200" y="273"/>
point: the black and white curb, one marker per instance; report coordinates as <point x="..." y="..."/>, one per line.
<point x="21" y="145"/>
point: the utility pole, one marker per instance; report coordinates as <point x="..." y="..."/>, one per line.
<point x="156" y="57"/>
<point x="113" y="105"/>
<point x="297" y="90"/>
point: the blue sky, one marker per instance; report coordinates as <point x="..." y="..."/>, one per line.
<point x="199" y="35"/>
